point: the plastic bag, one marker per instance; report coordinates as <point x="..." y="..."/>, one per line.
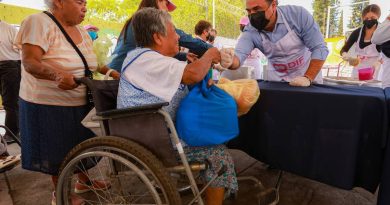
<point x="207" y="116"/>
<point x="101" y="47"/>
<point x="245" y="92"/>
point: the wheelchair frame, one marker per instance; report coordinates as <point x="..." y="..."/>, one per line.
<point x="103" y="117"/>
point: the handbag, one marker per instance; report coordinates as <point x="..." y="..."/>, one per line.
<point x="207" y="116"/>
<point x="87" y="72"/>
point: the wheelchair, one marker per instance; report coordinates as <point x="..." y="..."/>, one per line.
<point x="139" y="155"/>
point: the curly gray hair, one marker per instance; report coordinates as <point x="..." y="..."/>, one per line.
<point x="147" y="22"/>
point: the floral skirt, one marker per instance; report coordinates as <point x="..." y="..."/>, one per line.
<point x="218" y="156"/>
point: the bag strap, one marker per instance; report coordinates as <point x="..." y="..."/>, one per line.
<point x="87" y="72"/>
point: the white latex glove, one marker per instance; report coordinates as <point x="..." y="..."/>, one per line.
<point x="219" y="68"/>
<point x="300" y="81"/>
<point x="353" y="61"/>
<point x="345" y="56"/>
<point x="227" y="55"/>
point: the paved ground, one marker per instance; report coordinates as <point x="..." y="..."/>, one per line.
<point x="28" y="188"/>
<point x="32" y="188"/>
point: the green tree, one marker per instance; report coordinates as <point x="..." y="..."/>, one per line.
<point x="356" y="18"/>
<point x="334" y="20"/>
<point x="320" y="13"/>
<point x="187" y="14"/>
<point x="340" y="30"/>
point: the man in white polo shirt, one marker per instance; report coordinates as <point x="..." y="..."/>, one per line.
<point x="9" y="76"/>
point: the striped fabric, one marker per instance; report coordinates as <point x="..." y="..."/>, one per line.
<point x="40" y="30"/>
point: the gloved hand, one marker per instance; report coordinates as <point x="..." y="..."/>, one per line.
<point x="345" y="56"/>
<point x="227" y="55"/>
<point x="219" y="68"/>
<point x="300" y="81"/>
<point x="353" y="61"/>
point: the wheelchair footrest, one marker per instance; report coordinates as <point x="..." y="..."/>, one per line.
<point x="268" y="197"/>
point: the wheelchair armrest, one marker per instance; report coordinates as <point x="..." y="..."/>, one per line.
<point x="116" y="112"/>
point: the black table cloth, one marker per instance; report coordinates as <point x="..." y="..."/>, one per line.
<point x="332" y="134"/>
<point x="384" y="190"/>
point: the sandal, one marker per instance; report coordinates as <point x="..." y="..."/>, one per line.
<point x="8" y="161"/>
<point x="81" y="187"/>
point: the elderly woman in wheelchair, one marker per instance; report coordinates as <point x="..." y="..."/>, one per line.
<point x="151" y="75"/>
<point x="139" y="151"/>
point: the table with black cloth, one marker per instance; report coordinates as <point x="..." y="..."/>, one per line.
<point x="332" y="134"/>
<point x="384" y="191"/>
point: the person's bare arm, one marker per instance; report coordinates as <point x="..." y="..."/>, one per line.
<point x="196" y="71"/>
<point x="32" y="62"/>
<point x="114" y="74"/>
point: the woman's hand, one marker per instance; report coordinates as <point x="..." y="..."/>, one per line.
<point x="115" y="74"/>
<point x="65" y="81"/>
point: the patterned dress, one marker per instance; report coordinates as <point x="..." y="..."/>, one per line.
<point x="129" y="95"/>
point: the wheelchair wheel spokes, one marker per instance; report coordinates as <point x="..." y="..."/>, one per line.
<point x="134" y="174"/>
<point x="125" y="189"/>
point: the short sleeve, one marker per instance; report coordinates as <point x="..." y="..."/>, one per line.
<point x="35" y="31"/>
<point x="157" y="74"/>
<point x="382" y="33"/>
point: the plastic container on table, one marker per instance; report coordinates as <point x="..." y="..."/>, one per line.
<point x="366" y="73"/>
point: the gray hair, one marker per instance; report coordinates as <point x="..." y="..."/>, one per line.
<point x="147" y="22"/>
<point x="49" y="4"/>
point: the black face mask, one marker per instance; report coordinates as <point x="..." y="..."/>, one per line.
<point x="258" y="20"/>
<point x="370" y="23"/>
<point x="210" y="38"/>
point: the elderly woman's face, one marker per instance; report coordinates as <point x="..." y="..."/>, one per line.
<point x="171" y="40"/>
<point x="74" y="11"/>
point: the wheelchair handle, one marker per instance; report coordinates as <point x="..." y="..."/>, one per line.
<point x="80" y="81"/>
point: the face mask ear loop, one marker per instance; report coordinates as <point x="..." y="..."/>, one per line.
<point x="273" y="12"/>
<point x="271" y="15"/>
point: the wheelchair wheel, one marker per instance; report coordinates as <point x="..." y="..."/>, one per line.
<point x="132" y="172"/>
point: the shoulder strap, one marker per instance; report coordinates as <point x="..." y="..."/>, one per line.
<point x="88" y="73"/>
<point x="134" y="58"/>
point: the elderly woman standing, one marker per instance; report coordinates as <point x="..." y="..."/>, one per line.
<point x="151" y="75"/>
<point x="52" y="105"/>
